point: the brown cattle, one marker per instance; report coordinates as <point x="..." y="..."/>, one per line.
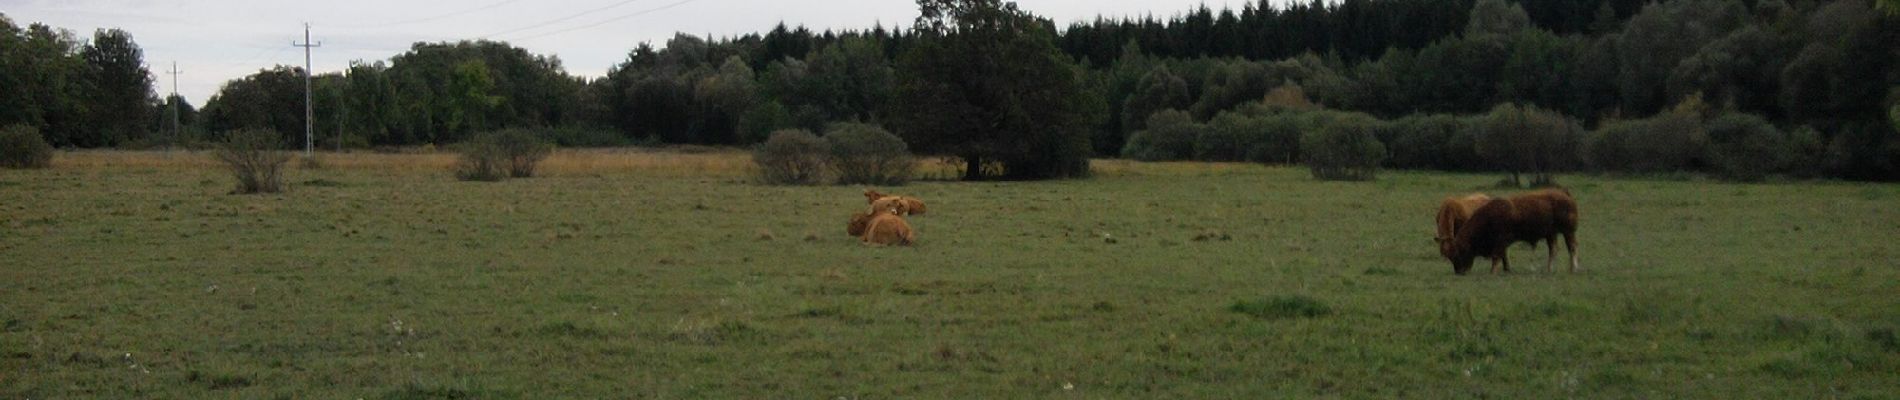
<point x="904" y="205"/>
<point x="1452" y="214"/>
<point x="887" y="228"/>
<point x="1530" y="217"/>
<point x="859" y="221"/>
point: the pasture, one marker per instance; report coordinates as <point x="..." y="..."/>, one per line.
<point x="622" y="274"/>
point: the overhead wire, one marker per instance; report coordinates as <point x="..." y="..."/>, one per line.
<point x="604" y="22"/>
<point x="559" y="20"/>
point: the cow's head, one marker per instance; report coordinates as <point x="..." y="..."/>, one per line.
<point x="1458" y="252"/>
<point x="858" y="223"/>
<point x="871" y="195"/>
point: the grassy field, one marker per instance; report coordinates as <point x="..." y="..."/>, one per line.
<point x="625" y="274"/>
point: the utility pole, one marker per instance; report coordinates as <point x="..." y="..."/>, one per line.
<point x="177" y="131"/>
<point x="309" y="114"/>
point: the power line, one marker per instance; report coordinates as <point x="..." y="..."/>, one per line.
<point x="559" y="20"/>
<point x="438" y="17"/>
<point x="635" y="14"/>
<point x="309" y="113"/>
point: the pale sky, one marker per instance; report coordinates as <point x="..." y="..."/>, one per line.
<point x="215" y="41"/>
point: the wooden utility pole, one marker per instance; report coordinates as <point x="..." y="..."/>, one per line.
<point x="177" y="131"/>
<point x="309" y="114"/>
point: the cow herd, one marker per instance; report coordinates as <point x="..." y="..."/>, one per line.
<point x="1472" y="226"/>
<point x="1477" y="225"/>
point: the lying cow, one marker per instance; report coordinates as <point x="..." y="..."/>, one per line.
<point x="904" y="205"/>
<point x="1530" y="217"/>
<point x="885" y="227"/>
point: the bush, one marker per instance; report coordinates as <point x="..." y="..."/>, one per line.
<point x="1170" y="136"/>
<point x="1343" y="148"/>
<point x="21" y="146"/>
<point x="1666" y="142"/>
<point x="792" y="157"/>
<point x="1865" y="152"/>
<point x="868" y="154"/>
<point x="1432" y="141"/>
<point x="1527" y="139"/>
<point x="492" y="156"/>
<point x="1744" y="147"/>
<point x="254" y="158"/>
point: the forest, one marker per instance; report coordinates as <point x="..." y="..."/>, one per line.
<point x="1741" y="89"/>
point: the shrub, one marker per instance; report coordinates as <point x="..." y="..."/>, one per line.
<point x="1866" y="152"/>
<point x="1229" y="137"/>
<point x="868" y="154"/>
<point x="1434" y="141"/>
<point x="1170" y="136"/>
<point x="492" y="156"/>
<point x="1343" y="148"/>
<point x="1526" y="139"/>
<point x="1745" y="147"/>
<point x="21" y="146"/>
<point x="792" y="157"/>
<point x="253" y="157"/>
<point x="1670" y="141"/>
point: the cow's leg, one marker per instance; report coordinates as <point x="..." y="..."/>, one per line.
<point x="1551" y="244"/>
<point x="1570" y="243"/>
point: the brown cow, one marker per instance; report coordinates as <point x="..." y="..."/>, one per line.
<point x="887" y="228"/>
<point x="1452" y="214"/>
<point x="1529" y="217"/>
<point x="905" y="205"/>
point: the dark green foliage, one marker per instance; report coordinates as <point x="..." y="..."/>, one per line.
<point x="121" y="98"/>
<point x="1342" y="147"/>
<point x="1865" y="152"/>
<point x="1234" y="136"/>
<point x="1529" y="140"/>
<point x="757" y="124"/>
<point x="868" y="154"/>
<point x="792" y="157"/>
<point x="507" y="153"/>
<point x="582" y="136"/>
<point x="1282" y="307"/>
<point x="1159" y="90"/>
<point x="1662" y="36"/>
<point x="255" y="158"/>
<point x="985" y="83"/>
<point x="1170" y="135"/>
<point x="1670" y="141"/>
<point x="22" y="147"/>
<point x="1433" y="141"/>
<point x="1745" y="147"/>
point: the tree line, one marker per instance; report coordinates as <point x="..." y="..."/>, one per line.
<point x="989" y="84"/>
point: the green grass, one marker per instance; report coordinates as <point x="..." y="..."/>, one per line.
<point x="141" y="282"/>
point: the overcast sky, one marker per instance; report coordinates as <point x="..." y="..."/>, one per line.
<point x="214" y="41"/>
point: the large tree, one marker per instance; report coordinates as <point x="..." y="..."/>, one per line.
<point x="986" y="84"/>
<point x="122" y="98"/>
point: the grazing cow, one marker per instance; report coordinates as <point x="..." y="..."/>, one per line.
<point x="887" y="228"/>
<point x="859" y="221"/>
<point x="1452" y="214"/>
<point x="1530" y="217"/>
<point x="905" y="205"/>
